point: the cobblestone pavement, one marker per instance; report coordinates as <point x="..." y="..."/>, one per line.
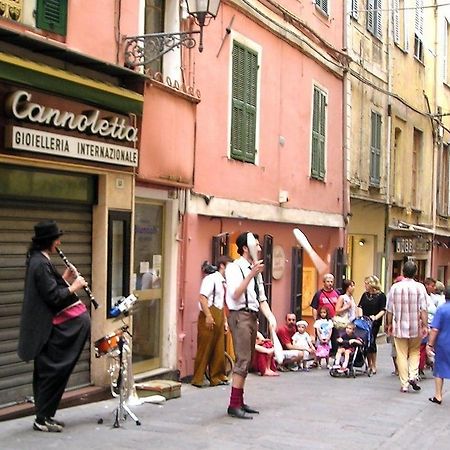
<point x="309" y="410"/>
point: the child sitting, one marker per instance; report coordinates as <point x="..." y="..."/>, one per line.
<point x="302" y="341"/>
<point x="324" y="327"/>
<point x="263" y="361"/>
<point x="347" y="344"/>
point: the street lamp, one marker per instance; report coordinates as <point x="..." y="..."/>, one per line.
<point x="144" y="49"/>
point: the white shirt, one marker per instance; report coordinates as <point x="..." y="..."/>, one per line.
<point x="214" y="295"/>
<point x="235" y="274"/>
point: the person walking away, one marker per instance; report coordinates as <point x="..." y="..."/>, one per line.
<point x="54" y="325"/>
<point x="212" y="325"/>
<point x="245" y="297"/>
<point x="439" y="346"/>
<point x="373" y="305"/>
<point x="406" y="320"/>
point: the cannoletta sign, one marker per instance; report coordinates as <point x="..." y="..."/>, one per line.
<point x="20" y="106"/>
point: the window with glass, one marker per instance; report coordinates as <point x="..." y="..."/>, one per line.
<point x="154" y="23"/>
<point x="244" y="103"/>
<point x="119" y="234"/>
<point x="148" y="272"/>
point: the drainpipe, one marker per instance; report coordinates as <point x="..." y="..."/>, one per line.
<point x="345" y="186"/>
<point x="388" y="155"/>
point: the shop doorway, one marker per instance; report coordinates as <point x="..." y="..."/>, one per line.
<point x="148" y="269"/>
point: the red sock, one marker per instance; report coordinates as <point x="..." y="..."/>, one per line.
<point x="236" y="397"/>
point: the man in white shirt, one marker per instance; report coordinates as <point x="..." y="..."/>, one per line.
<point x="211" y="327"/>
<point x="245" y="297"/>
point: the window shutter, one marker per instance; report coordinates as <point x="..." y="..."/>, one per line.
<point x="244" y="98"/>
<point x="318" y="135"/>
<point x="51" y="15"/>
<point x="406" y="17"/>
<point x="370" y="15"/>
<point x="418" y="20"/>
<point x="396" y="21"/>
<point x="445" y="50"/>
<point x="378" y="23"/>
<point x="375" y="149"/>
<point x="354" y="7"/>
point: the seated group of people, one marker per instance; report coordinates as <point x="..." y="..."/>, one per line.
<point x="300" y="351"/>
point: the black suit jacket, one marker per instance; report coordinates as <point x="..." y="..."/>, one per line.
<point x="45" y="294"/>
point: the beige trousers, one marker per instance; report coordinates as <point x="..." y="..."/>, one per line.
<point x="408" y="355"/>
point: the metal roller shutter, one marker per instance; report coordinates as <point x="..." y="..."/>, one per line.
<point x="16" y="229"/>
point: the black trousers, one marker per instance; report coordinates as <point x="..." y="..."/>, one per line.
<point x="54" y="365"/>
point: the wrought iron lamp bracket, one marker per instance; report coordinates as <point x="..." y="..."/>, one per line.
<point x="144" y="49"/>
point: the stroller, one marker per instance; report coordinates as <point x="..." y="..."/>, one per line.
<point x="358" y="360"/>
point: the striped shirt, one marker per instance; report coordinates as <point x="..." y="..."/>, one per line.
<point x="405" y="301"/>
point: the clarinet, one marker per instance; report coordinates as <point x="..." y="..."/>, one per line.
<point x="74" y="269"/>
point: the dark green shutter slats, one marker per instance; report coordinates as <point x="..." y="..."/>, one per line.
<point x="244" y="93"/>
<point x="51" y="15"/>
<point x="318" y="135"/>
<point x="375" y="149"/>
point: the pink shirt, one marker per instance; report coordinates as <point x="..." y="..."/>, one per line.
<point x="405" y="301"/>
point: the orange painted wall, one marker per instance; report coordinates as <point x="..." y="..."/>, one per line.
<point x="287" y="79"/>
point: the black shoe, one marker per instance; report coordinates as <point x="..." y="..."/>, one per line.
<point x="249" y="410"/>
<point x="414" y="385"/>
<point x="239" y="413"/>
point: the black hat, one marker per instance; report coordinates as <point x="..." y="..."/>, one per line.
<point x="47" y="229"/>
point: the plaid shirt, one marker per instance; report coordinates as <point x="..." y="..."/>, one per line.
<point x="405" y="301"/>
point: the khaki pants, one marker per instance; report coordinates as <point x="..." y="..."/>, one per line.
<point x="210" y="349"/>
<point x="408" y="355"/>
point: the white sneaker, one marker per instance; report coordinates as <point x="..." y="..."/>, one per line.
<point x="48" y="426"/>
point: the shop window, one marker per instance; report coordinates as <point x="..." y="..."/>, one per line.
<point x="220" y="246"/>
<point x="119" y="233"/>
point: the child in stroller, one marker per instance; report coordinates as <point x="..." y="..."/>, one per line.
<point x="347" y="342"/>
<point x="353" y="344"/>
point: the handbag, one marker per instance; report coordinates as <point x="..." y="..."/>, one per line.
<point x="341" y="321"/>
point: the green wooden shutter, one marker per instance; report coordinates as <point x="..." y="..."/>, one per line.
<point x="51" y="15"/>
<point x="375" y="149"/>
<point x="318" y="135"/>
<point x="244" y="99"/>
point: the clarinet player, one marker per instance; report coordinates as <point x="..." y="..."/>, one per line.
<point x="54" y="326"/>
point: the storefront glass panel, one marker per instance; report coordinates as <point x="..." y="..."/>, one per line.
<point x="148" y="271"/>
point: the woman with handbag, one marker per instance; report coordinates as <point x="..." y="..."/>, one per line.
<point x="345" y="306"/>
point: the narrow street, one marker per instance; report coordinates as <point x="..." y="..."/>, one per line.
<point x="298" y="410"/>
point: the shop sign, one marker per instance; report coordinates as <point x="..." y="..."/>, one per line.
<point x="33" y="140"/>
<point x="411" y="245"/>
<point x="20" y="106"/>
<point x="278" y="262"/>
